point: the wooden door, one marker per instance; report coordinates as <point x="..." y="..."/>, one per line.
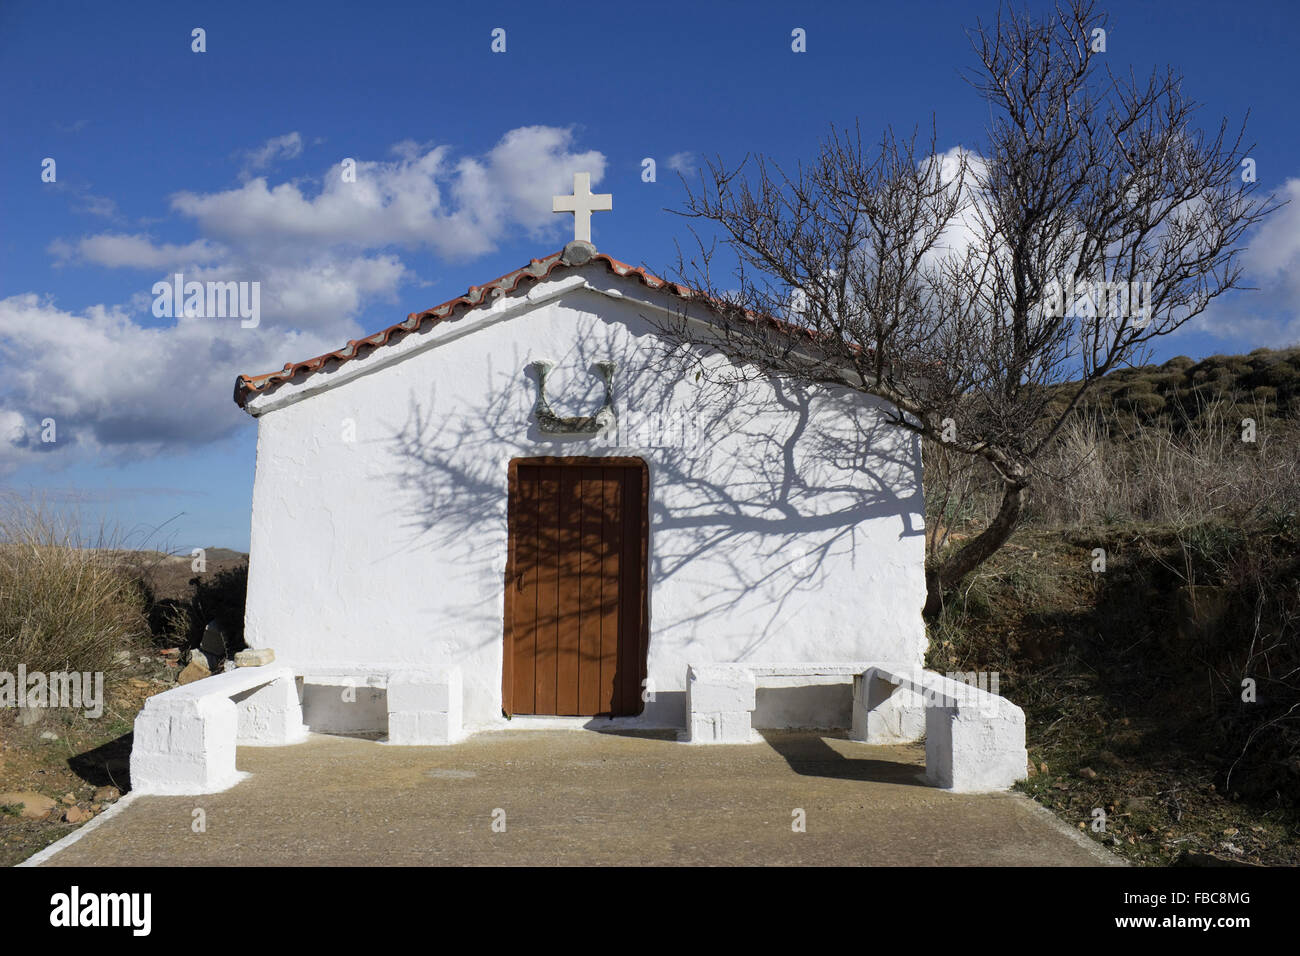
<point x="575" y="628"/>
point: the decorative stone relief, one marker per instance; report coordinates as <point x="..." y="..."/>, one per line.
<point x="551" y="424"/>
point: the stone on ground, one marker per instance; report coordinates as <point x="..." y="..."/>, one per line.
<point x="255" y="657"/>
<point x="213" y="641"/>
<point x="194" y="670"/>
<point x="34" y="805"/>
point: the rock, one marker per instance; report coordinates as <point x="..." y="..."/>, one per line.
<point x="1042" y="767"/>
<point x="122" y="657"/>
<point x="30" y="716"/>
<point x="213" y="640"/>
<point x="69" y="798"/>
<point x="1088" y="773"/>
<point x="211" y="661"/>
<point x="34" y="805"/>
<point x="1031" y="769"/>
<point x="193" y="671"/>
<point x="229" y="666"/>
<point x="107" y="794"/>
<point x="254" y="657"/>
<point x="75" y="815"/>
<point x="49" y="735"/>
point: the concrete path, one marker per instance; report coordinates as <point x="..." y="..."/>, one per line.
<point x="579" y="797"/>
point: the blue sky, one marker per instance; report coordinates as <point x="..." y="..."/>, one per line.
<point x="218" y="164"/>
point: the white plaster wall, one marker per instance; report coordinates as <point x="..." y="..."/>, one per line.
<point x="784" y="526"/>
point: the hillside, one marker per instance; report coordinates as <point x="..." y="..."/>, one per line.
<point x="1182" y="390"/>
<point x="1146" y="614"/>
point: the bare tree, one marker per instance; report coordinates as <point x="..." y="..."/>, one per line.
<point x="981" y="294"/>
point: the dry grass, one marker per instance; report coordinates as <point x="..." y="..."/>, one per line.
<point x="1176" y="477"/>
<point x="65" y="604"/>
<point x="1115" y="468"/>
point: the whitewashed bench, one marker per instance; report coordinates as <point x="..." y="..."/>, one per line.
<point x="721" y="697"/>
<point x="185" y="738"/>
<point x="425" y="708"/>
<point x="974" y="740"/>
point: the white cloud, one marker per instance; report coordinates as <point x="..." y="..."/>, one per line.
<point x="118" y="383"/>
<point x="1274" y="249"/>
<point x="288" y="146"/>
<point x="1269" y="314"/>
<point x="421" y="199"/>
<point x="118" y="251"/>
<point x="113" y="385"/>
<point x="683" y="163"/>
<point x="967" y="226"/>
<point x="82" y="200"/>
<point x="322" y="256"/>
<point x="13" y="430"/>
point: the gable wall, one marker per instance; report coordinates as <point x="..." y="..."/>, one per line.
<point x="782" y="528"/>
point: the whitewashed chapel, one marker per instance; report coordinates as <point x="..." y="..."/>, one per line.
<point x="517" y="507"/>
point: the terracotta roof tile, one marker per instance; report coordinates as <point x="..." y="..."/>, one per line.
<point x="451" y="310"/>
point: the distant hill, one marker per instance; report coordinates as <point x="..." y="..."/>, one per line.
<point x="1182" y="390"/>
<point x="226" y="556"/>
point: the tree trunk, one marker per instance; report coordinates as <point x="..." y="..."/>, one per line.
<point x="979" y="549"/>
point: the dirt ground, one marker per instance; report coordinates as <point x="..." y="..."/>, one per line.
<point x="66" y="753"/>
<point x="1118" y="723"/>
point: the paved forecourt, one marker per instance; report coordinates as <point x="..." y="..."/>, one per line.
<point x="582" y="798"/>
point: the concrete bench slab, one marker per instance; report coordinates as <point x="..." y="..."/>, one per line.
<point x="185" y="738"/>
<point x="721" y="696"/>
<point x="975" y="740"/>
<point x="424" y="708"/>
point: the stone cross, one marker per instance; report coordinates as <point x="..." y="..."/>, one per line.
<point x="582" y="204"/>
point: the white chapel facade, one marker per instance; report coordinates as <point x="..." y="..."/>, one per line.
<point x="525" y="486"/>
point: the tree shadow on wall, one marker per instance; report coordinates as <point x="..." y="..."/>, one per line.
<point x="737" y="507"/>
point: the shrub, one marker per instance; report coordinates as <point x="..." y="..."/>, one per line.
<point x="63" y="606"/>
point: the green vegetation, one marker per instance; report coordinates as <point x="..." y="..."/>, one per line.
<point x="1180" y="392"/>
